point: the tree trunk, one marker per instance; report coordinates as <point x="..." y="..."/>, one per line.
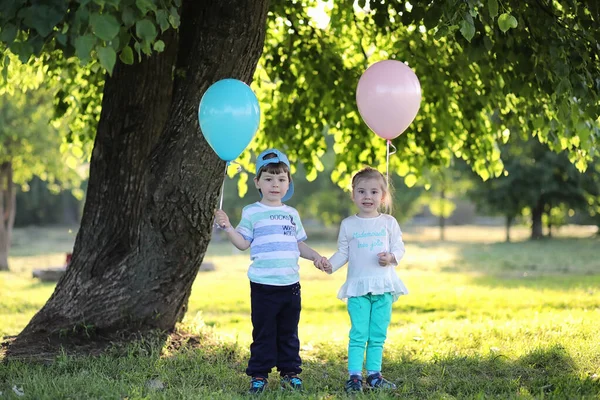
<point x="8" y="204"/>
<point x="442" y="220"/>
<point x="70" y="208"/>
<point x="508" y="224"/>
<point x="154" y="181"/>
<point x="536" y="221"/>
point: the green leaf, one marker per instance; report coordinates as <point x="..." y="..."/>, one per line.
<point x="83" y="47"/>
<point x="145" y="6"/>
<point x="138" y="49"/>
<point x="410" y="180"/>
<point x="105" y="26"/>
<point x="42" y="18"/>
<point x="467" y="29"/>
<point x="159" y="46"/>
<point x="487" y="42"/>
<point x="146" y="49"/>
<point x="162" y="17"/>
<point x="126" y="55"/>
<point x="61" y="38"/>
<point x="128" y="16"/>
<point x="493" y="8"/>
<point x="5" y="68"/>
<point x="174" y="18"/>
<point x="506" y="21"/>
<point x="107" y="57"/>
<point x="23" y="50"/>
<point x="145" y="30"/>
<point x="8" y="34"/>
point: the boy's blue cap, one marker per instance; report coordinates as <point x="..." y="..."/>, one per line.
<point x="279" y="157"/>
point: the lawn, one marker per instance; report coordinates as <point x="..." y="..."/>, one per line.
<point x="484" y="319"/>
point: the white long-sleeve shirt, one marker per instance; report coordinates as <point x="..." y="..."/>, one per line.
<point x="359" y="242"/>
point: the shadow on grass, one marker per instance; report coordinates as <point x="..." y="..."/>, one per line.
<point x="540" y="373"/>
<point x="200" y="366"/>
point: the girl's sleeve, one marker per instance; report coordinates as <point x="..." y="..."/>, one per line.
<point x="396" y="243"/>
<point x="340" y="258"/>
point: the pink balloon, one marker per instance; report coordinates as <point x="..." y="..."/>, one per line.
<point x="388" y="96"/>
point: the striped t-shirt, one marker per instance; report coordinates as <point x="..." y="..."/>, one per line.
<point x="273" y="233"/>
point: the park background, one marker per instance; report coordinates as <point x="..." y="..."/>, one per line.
<point x="496" y="187"/>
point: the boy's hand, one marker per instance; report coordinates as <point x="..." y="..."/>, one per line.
<point x="386" y="258"/>
<point x="222" y="219"/>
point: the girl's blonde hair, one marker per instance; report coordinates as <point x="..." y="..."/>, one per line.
<point x="386" y="189"/>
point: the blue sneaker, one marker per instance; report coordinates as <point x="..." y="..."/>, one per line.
<point x="292" y="382"/>
<point x="258" y="384"/>
<point x="376" y="381"/>
<point x="354" y="384"/>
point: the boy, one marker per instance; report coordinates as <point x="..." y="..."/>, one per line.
<point x="275" y="235"/>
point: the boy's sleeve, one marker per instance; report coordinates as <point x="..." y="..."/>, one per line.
<point x="340" y="258"/>
<point x="245" y="226"/>
<point x="300" y="232"/>
<point x="396" y="243"/>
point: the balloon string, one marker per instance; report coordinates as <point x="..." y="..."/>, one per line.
<point x="223" y="186"/>
<point x="390" y="144"/>
<point x="387" y="164"/>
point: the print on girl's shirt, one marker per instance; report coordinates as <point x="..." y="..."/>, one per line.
<point x="375" y="244"/>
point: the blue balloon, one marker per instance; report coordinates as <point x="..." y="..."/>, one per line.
<point x="229" y="116"/>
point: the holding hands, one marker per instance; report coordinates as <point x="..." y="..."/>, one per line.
<point x="323" y="264"/>
<point x="385" y="258"/>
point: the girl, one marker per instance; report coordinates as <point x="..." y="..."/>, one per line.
<point x="371" y="243"/>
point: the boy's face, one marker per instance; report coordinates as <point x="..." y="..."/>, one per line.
<point x="273" y="187"/>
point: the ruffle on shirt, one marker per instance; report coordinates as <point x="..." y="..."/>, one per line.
<point x="375" y="285"/>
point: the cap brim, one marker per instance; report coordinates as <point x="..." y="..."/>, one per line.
<point x="289" y="193"/>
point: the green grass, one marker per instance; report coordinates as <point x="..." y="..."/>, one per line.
<point x="484" y="319"/>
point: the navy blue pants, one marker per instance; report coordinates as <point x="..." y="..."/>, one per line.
<point x="275" y="317"/>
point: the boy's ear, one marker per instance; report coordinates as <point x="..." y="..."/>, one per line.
<point x="256" y="183"/>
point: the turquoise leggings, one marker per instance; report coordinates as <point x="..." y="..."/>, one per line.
<point x="370" y="316"/>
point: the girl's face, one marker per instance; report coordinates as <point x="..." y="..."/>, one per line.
<point x="273" y="187"/>
<point x="368" y="194"/>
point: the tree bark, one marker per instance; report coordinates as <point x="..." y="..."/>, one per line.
<point x="7" y="212"/>
<point x="154" y="181"/>
<point x="536" y="221"/>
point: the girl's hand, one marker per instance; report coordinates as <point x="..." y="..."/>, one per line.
<point x="386" y="258"/>
<point x="222" y="219"/>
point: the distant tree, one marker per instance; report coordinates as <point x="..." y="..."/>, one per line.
<point x="539" y="180"/>
<point x="38" y="205"/>
<point x="29" y="147"/>
<point x="445" y="185"/>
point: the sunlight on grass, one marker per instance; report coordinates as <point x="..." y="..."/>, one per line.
<point x="483" y="319"/>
